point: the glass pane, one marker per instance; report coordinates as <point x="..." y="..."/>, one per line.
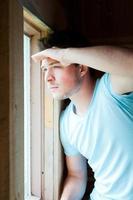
<point x="27" y="117"/>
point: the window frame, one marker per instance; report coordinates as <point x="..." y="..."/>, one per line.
<point x="44" y="125"/>
<point x="35" y="120"/>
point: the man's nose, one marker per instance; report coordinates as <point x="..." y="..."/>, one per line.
<point x="49" y="76"/>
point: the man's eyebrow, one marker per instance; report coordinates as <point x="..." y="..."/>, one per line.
<point x="54" y="62"/>
<point x="49" y="64"/>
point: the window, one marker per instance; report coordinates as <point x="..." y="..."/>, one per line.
<point x="32" y="121"/>
<point x="27" y="164"/>
<point x="43" y="155"/>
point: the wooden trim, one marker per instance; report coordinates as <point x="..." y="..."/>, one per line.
<point x="36" y="121"/>
<point x="16" y="101"/>
<point x="48" y="143"/>
<point x="29" y="30"/>
<point x="35" y="22"/>
<point x="4" y="101"/>
<point x="52" y="155"/>
<point x="58" y="152"/>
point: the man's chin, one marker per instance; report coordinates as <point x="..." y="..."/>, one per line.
<point x="59" y="97"/>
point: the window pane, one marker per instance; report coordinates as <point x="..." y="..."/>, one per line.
<point x="27" y="116"/>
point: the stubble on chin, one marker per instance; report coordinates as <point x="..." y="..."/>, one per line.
<point x="59" y="97"/>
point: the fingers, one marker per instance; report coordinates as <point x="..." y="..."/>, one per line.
<point x="48" y="53"/>
<point x="53" y="53"/>
<point x="38" y="56"/>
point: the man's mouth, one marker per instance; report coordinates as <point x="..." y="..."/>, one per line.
<point x="53" y="88"/>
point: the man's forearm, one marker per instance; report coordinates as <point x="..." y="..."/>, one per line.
<point x="109" y="59"/>
<point x="114" y="60"/>
<point x="74" y="188"/>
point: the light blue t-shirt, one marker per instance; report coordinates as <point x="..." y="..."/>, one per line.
<point x="105" y="137"/>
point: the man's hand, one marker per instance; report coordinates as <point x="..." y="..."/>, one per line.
<point x="116" y="61"/>
<point x="53" y="53"/>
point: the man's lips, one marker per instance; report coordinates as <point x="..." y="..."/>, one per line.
<point x="53" y="88"/>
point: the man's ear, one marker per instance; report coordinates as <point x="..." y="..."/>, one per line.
<point x="83" y="70"/>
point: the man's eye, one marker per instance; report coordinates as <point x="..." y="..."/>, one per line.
<point x="57" y="67"/>
<point x="45" y="69"/>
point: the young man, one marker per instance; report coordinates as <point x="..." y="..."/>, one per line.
<point x="98" y="123"/>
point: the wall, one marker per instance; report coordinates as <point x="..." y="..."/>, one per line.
<point x="4" y="102"/>
<point x="11" y="100"/>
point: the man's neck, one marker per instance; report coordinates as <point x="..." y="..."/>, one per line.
<point x="82" y="99"/>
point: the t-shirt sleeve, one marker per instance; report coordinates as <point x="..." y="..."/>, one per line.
<point x="69" y="149"/>
<point x="125" y="101"/>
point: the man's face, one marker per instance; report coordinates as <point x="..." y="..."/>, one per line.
<point x="63" y="82"/>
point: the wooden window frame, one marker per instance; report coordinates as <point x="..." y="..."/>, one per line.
<point x="46" y="177"/>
